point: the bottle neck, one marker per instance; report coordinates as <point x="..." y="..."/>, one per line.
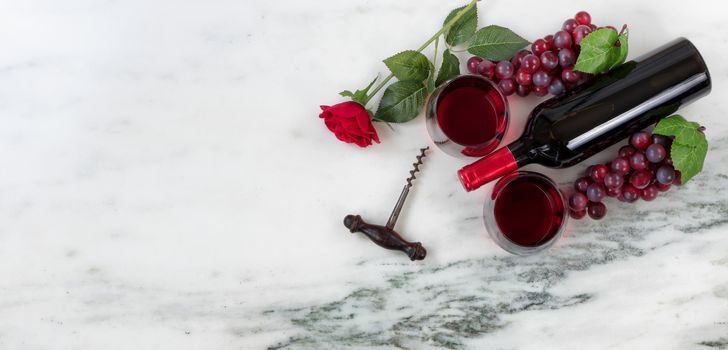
<point x="499" y="163"/>
<point x="522" y="151"/>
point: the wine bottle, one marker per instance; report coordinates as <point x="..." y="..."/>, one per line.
<point x="566" y="130"/>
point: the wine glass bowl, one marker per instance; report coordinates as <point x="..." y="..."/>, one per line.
<point x="467" y="116"/>
<point x="526" y="213"/>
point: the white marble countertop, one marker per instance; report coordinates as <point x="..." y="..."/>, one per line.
<point x="167" y="184"/>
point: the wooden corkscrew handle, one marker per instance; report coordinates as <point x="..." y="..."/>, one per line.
<point x="385" y="237"/>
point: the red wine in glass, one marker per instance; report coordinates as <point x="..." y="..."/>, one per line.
<point x="526" y="213"/>
<point x="467" y="116"/>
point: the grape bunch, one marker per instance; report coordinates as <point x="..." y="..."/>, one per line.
<point x="548" y="68"/>
<point x="641" y="170"/>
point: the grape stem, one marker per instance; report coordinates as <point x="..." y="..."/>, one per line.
<point x="427" y="43"/>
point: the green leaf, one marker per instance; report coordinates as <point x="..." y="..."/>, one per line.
<point x="688" y="160"/>
<point x="449" y="69"/>
<point x="430" y="83"/>
<point x="496" y="43"/>
<point x="689" y="147"/>
<point x="409" y="65"/>
<point x="360" y="96"/>
<point x="623" y="49"/>
<point x="401" y="102"/>
<point x="463" y="28"/>
<point x="677" y="126"/>
<point x="598" y="52"/>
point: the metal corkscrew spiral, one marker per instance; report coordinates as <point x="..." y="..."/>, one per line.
<point x="402" y="196"/>
<point x="417" y="166"/>
<point x="385" y="236"/>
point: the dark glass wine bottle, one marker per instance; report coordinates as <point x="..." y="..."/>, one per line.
<point x="566" y="130"/>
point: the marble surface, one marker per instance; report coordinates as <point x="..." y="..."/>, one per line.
<point x="167" y="184"/>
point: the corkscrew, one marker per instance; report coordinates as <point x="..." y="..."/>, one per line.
<point x="386" y="236"/>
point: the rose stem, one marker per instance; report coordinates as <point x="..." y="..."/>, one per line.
<point x="434" y="57"/>
<point x="426" y="44"/>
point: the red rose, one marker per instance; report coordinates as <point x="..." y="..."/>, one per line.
<point x="350" y="122"/>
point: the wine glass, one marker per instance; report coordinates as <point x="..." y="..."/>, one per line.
<point x="467" y="116"/>
<point x="526" y="213"/>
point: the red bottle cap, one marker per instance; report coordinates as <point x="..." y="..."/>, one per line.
<point x="487" y="169"/>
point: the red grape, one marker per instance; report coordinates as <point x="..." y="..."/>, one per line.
<point x="504" y="70"/>
<point x="577" y="214"/>
<point x="640" y="179"/>
<point x="473" y="63"/>
<point x="583" y="17"/>
<point x="640" y="140"/>
<point x="530" y="63"/>
<point x="569" y="75"/>
<point x="638" y="161"/>
<point x="595" y="192"/>
<point x="665" y="174"/>
<point x="588" y="170"/>
<point x="486" y="68"/>
<point x="539" y="46"/>
<point x="621" y="166"/>
<point x="678" y="180"/>
<point x="557" y="87"/>
<point x="655" y="153"/>
<point x="598" y="172"/>
<point x="569" y="25"/>
<point x="550" y="40"/>
<point x="582" y="183"/>
<point x="516" y="60"/>
<point x="540" y="90"/>
<point x="523" y="77"/>
<point x="662" y="187"/>
<point x="549" y="60"/>
<point x="649" y="193"/>
<point x="626" y="151"/>
<point x="614" y="192"/>
<point x="596" y="211"/>
<point x="523" y="90"/>
<point x="567" y="57"/>
<point x="580" y="32"/>
<point x="541" y="78"/>
<point x="562" y="39"/>
<point x="613" y="180"/>
<point x="661" y="139"/>
<point x="630" y="193"/>
<point x="507" y="86"/>
<point x="578" y="201"/>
